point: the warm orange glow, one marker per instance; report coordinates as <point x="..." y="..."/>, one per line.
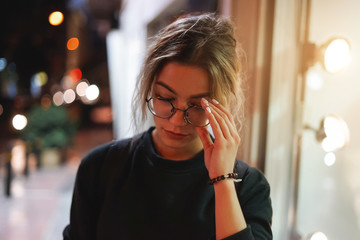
<point x="56" y="18"/>
<point x="337" y="55"/>
<point x="76" y="74"/>
<point x="45" y="102"/>
<point x="73" y="43"/>
<point x="102" y="115"/>
<point x="336" y="132"/>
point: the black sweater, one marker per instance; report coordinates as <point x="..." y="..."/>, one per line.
<point x="125" y="190"/>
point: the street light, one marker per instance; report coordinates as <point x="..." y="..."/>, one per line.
<point x="56" y="18"/>
<point x="72" y="44"/>
<point x="19" y="122"/>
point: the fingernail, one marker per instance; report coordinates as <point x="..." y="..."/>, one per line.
<point x="214" y="101"/>
<point x="208" y="109"/>
<point x="206" y="102"/>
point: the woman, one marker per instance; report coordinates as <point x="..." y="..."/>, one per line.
<point x="156" y="184"/>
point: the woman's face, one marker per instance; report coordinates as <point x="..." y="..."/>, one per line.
<point x="184" y="85"/>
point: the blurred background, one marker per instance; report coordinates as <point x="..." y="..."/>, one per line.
<point x="68" y="70"/>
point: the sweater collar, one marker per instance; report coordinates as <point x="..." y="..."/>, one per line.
<point x="179" y="165"/>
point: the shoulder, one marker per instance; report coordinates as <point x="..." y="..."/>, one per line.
<point x="254" y="197"/>
<point x="109" y="152"/>
<point x="100" y="152"/>
<point x="249" y="174"/>
<point x="253" y="183"/>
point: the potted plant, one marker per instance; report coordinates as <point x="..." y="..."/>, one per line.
<point x="48" y="133"/>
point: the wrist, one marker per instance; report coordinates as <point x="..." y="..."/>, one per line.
<point x="230" y="176"/>
<point x="219" y="172"/>
<point x="224" y="183"/>
<point x="224" y="188"/>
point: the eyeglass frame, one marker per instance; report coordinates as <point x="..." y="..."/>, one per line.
<point x="173" y="111"/>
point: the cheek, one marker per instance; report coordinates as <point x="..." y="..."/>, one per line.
<point x="159" y="121"/>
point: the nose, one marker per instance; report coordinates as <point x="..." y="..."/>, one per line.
<point x="178" y="119"/>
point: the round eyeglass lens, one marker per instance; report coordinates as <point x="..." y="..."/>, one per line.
<point x="197" y="116"/>
<point x="160" y="108"/>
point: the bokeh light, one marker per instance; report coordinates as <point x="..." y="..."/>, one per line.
<point x="101" y="115"/>
<point x="3" y="63"/>
<point x="69" y="96"/>
<point x="12" y="89"/>
<point x="81" y="88"/>
<point x="19" y="121"/>
<point x="56" y="18"/>
<point x="329" y="159"/>
<point x="337" y="133"/>
<point x="37" y="81"/>
<point x="72" y="43"/>
<point x="58" y="98"/>
<point x="76" y="74"/>
<point x="18" y="156"/>
<point x="1" y="109"/>
<point x="337" y="55"/>
<point x="35" y="90"/>
<point x="92" y="92"/>
<point x="45" y="102"/>
<point x="318" y="236"/>
<point x="67" y="82"/>
<point x="40" y="78"/>
<point x="314" y="80"/>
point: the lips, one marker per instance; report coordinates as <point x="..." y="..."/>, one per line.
<point x="175" y="135"/>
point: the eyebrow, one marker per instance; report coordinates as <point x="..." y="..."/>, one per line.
<point x="164" y="85"/>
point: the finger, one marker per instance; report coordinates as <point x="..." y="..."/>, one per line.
<point x="213" y="122"/>
<point x="224" y="122"/>
<point x="217" y="107"/>
<point x="226" y="125"/>
<point x="223" y="109"/>
<point x="204" y="137"/>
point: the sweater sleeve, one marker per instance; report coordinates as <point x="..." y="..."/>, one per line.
<point x="254" y="197"/>
<point x="85" y="201"/>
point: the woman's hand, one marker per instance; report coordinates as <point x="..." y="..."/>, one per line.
<point x="219" y="160"/>
<point x="220" y="154"/>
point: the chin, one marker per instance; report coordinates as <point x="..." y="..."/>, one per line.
<point x="178" y="141"/>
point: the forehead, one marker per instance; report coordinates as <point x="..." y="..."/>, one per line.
<point x="183" y="80"/>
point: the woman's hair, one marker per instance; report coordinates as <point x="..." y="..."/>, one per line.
<point x="203" y="40"/>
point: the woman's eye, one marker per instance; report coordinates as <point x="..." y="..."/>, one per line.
<point x="197" y="105"/>
<point x="164" y="98"/>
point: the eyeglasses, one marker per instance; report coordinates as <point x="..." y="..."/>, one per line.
<point x="163" y="108"/>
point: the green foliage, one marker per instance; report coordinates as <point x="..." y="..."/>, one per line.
<point x="51" y="128"/>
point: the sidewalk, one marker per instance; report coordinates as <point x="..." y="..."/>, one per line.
<point x="39" y="207"/>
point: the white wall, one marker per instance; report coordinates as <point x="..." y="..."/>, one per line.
<point x="126" y="50"/>
<point x="329" y="197"/>
<point x="279" y="167"/>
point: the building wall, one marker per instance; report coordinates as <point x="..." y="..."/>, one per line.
<point x="281" y="126"/>
<point x="323" y="198"/>
<point x="329" y="196"/>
